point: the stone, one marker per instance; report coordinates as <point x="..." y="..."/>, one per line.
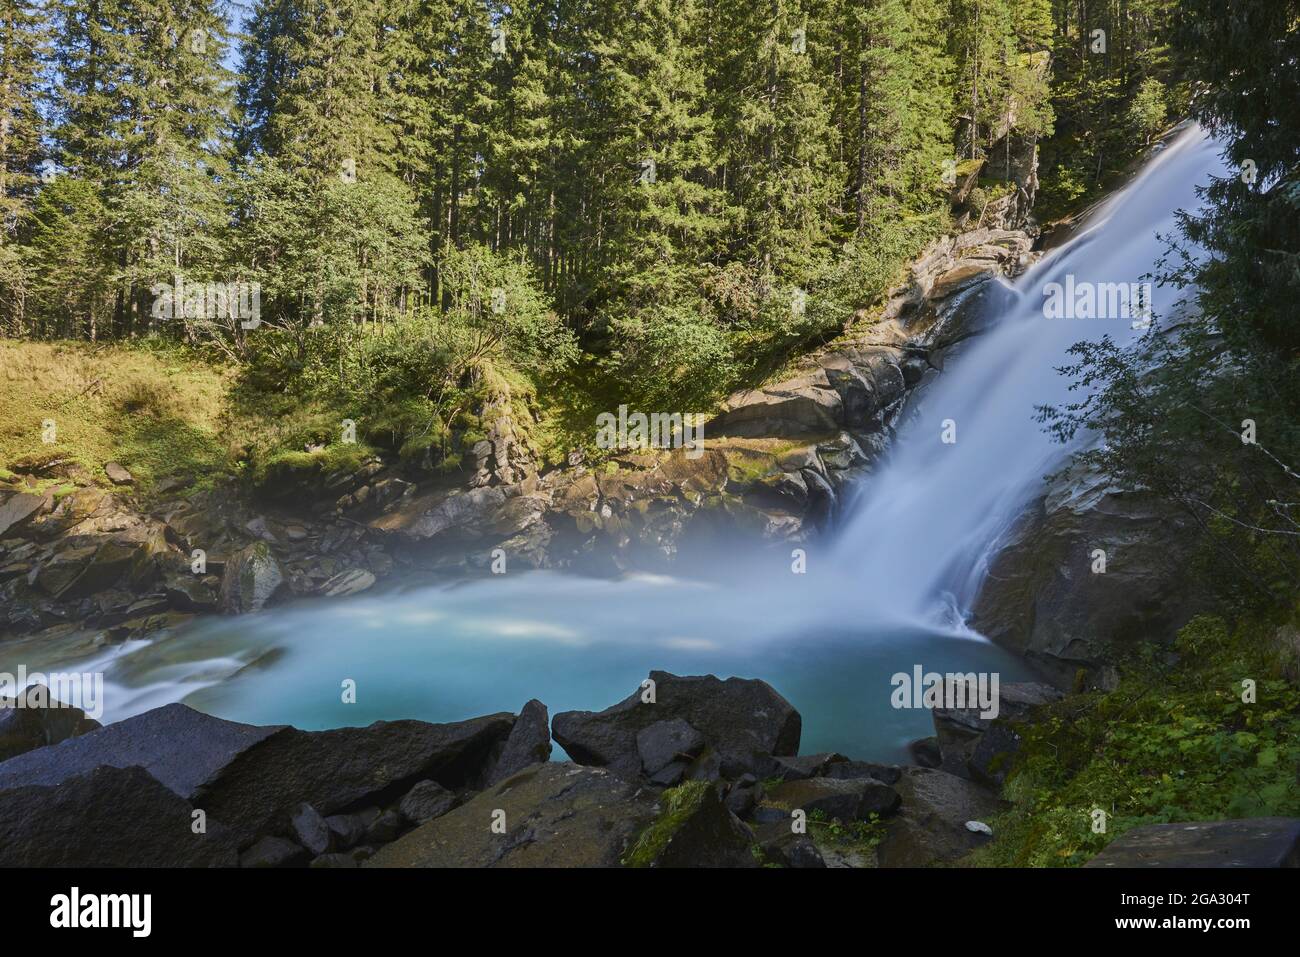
<point x="845" y="800"/>
<point x="111" y="817"/>
<point x="343" y="768"/>
<point x="925" y="752"/>
<point x="738" y="718"/>
<point x="273" y="852"/>
<point x="931" y="824"/>
<point x="529" y="742"/>
<point x="40" y="722"/>
<point x="425" y="801"/>
<point x="556" y="814"/>
<point x="384" y="828"/>
<point x="252" y="578"/>
<point x="118" y="474"/>
<point x="693" y="829"/>
<point x="1254" y="842"/>
<point x="982" y="748"/>
<point x="1041" y="598"/>
<point x="17" y="510"/>
<point x="665" y="742"/>
<point x="180" y="747"/>
<point x="351" y="582"/>
<point x="310" y="829"/>
<point x="347" y="830"/>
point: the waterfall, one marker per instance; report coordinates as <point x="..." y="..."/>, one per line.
<point x="920" y="535"/>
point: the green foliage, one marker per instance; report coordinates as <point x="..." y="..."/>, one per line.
<point x="678" y="804"/>
<point x="1173" y="742"/>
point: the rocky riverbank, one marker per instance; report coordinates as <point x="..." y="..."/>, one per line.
<point x="685" y="772"/>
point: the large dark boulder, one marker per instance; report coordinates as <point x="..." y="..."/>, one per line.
<point x="40" y="722"/>
<point x="555" y="815"/>
<point x="335" y="770"/>
<point x="110" y="817"/>
<point x="1255" y="842"/>
<point x="739" y="718"/>
<point x="180" y="747"/>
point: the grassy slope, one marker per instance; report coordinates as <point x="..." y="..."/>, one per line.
<point x="155" y="412"/>
<point x="1173" y="742"/>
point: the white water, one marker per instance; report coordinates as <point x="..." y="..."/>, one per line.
<point x="829" y="639"/>
<point x="921" y="537"/>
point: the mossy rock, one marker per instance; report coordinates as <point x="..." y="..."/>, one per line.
<point x="694" y="829"/>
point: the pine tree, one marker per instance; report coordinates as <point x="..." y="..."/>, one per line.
<point x="24" y="35"/>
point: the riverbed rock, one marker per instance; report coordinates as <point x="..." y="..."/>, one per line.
<point x="931" y="823"/>
<point x="351" y="582"/>
<point x="739" y="718"/>
<point x="41" y="721"/>
<point x="180" y="747"/>
<point x="555" y="814"/>
<point x="1255" y="842"/>
<point x="110" y="817"/>
<point x="337" y="770"/>
<point x="252" y="578"/>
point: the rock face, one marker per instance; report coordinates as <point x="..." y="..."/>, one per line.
<point x="931" y="825"/>
<point x="552" y="815"/>
<point x="109" y="817"/>
<point x="1256" y="842"/>
<point x="1043" y="599"/>
<point x="38" y="723"/>
<point x="738" y="718"/>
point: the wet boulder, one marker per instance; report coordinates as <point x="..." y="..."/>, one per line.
<point x="693" y="829"/>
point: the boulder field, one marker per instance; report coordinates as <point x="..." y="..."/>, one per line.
<point x="684" y="772"/>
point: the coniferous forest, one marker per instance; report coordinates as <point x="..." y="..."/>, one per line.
<point x="891" y="404"/>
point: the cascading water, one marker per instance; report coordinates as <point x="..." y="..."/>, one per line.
<point x="829" y="640"/>
<point x="927" y="521"/>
